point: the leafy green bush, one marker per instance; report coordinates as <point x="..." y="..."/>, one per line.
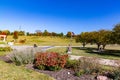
<point x="51" y="61"/>
<point x="116" y="74"/>
<point x="5" y="49"/>
<point x="22" y="57"/>
<point x="86" y="66"/>
<point x="70" y="64"/>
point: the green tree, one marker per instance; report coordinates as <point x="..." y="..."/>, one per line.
<point x="68" y="34"/>
<point x="45" y="33"/>
<point x="83" y="38"/>
<point x="21" y="33"/>
<point x="101" y="37"/>
<point x="38" y="33"/>
<point x="116" y="34"/>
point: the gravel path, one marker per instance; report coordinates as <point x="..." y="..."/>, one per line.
<point x="101" y="61"/>
<point x="19" y="48"/>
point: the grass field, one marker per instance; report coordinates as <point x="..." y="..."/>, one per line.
<point x="112" y="52"/>
<point x="44" y="41"/>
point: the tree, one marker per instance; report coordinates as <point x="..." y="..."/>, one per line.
<point x="70" y="34"/>
<point x="53" y="34"/>
<point x="60" y="34"/>
<point x="101" y="37"/>
<point x="105" y="37"/>
<point x="7" y="32"/>
<point x="83" y="38"/>
<point x="27" y="33"/>
<point x="116" y="34"/>
<point x="15" y="35"/>
<point x="45" y="33"/>
<point x="38" y="32"/>
<point x="0" y="32"/>
<point x="21" y="33"/>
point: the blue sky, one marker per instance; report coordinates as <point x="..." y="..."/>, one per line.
<point x="59" y="15"/>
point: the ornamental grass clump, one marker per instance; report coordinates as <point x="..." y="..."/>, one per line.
<point x="22" y="57"/>
<point x="50" y="61"/>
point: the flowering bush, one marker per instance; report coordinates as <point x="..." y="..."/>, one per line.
<point x="50" y="61"/>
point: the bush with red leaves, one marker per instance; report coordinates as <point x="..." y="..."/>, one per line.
<point x="50" y="61"/>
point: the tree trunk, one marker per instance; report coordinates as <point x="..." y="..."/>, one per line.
<point x="84" y="44"/>
<point x="104" y="45"/>
<point x="98" y="45"/>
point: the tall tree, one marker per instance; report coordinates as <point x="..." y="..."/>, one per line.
<point x="101" y="37"/>
<point x="83" y="38"/>
<point x="116" y="34"/>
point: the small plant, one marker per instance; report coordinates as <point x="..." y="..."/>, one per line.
<point x="22" y="41"/>
<point x="51" y="61"/>
<point x="22" y="57"/>
<point x="5" y="49"/>
<point x="70" y="64"/>
<point x="116" y="74"/>
<point x="86" y="66"/>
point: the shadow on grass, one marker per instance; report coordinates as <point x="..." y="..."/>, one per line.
<point x="95" y="51"/>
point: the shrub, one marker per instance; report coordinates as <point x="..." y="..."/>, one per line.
<point x="22" y="57"/>
<point x="86" y="66"/>
<point x="51" y="61"/>
<point x="70" y="64"/>
<point x="22" y="41"/>
<point x="5" y="48"/>
<point x="116" y="74"/>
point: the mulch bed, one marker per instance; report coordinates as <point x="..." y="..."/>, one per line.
<point x="64" y="74"/>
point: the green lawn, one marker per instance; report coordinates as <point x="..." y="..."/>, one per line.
<point x="115" y="54"/>
<point x="13" y="72"/>
<point x="3" y="53"/>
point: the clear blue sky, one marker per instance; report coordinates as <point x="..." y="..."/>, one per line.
<point x="59" y="15"/>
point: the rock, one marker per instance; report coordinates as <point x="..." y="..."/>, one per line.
<point x="102" y="77"/>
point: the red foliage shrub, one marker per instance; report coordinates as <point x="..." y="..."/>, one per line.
<point x="51" y="59"/>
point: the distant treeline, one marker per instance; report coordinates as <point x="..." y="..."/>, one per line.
<point x="36" y="33"/>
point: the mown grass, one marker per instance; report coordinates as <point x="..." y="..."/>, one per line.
<point x="88" y="52"/>
<point x="12" y="72"/>
<point x="2" y="53"/>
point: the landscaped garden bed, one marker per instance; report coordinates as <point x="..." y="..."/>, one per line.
<point x="60" y="67"/>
